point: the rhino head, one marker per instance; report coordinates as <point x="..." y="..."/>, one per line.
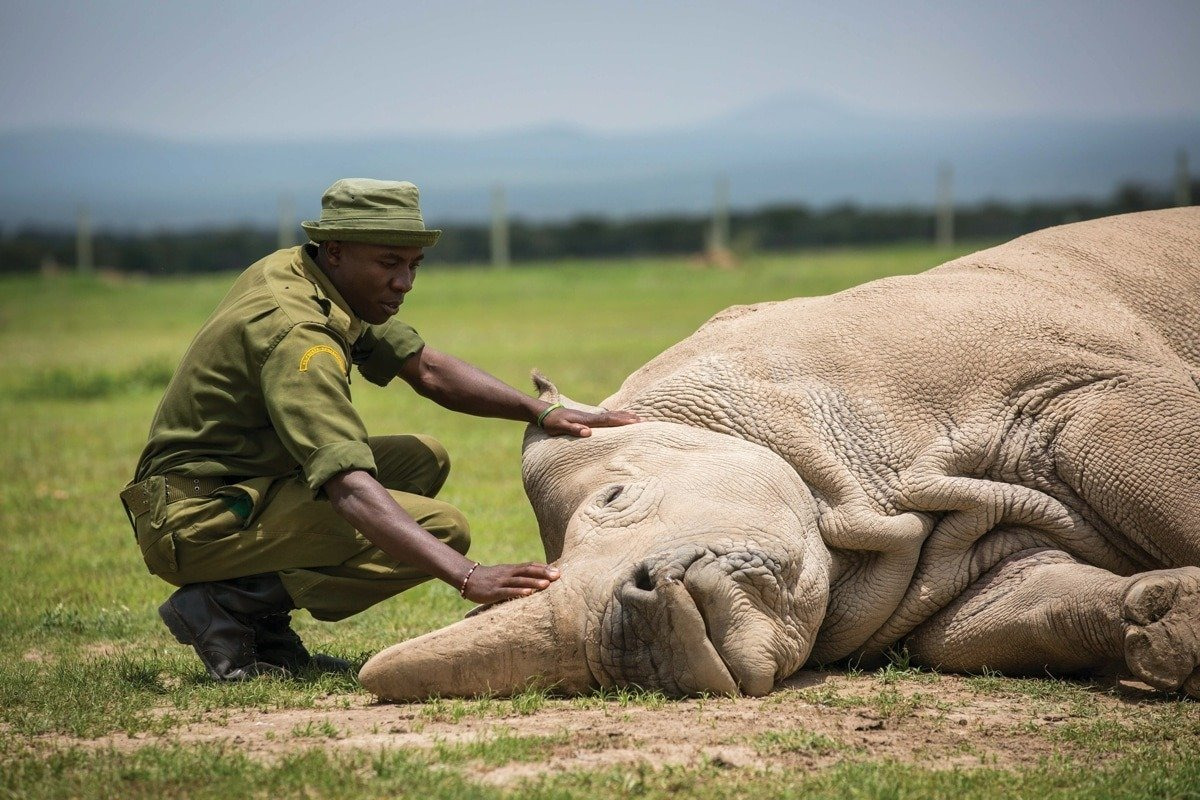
<point x="691" y="563"/>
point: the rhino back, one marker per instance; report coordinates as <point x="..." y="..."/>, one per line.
<point x="920" y="409"/>
<point x="1148" y="262"/>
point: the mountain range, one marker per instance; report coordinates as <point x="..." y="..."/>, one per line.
<point x="793" y="148"/>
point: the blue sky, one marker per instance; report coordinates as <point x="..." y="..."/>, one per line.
<point x="306" y="69"/>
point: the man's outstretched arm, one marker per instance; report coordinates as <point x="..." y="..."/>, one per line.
<point x="454" y="384"/>
<point x="366" y="504"/>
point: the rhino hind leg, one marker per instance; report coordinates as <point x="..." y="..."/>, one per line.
<point x="1042" y="612"/>
<point x="1130" y="449"/>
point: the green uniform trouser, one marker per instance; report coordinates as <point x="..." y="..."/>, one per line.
<point x="275" y="525"/>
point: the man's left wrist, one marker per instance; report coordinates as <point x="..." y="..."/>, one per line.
<point x="546" y="412"/>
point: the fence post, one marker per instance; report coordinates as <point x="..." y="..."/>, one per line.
<point x="287" y="222"/>
<point x="500" y="259"/>
<point x="945" y="207"/>
<point x="718" y="232"/>
<point x="84" y="262"/>
<point x="1183" y="181"/>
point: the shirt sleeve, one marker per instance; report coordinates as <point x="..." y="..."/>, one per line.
<point x="306" y="388"/>
<point x="382" y="349"/>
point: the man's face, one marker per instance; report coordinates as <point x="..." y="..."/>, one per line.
<point x="373" y="278"/>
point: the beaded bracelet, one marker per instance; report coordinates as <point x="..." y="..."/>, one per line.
<point x="462" y="590"/>
<point x="541" y="420"/>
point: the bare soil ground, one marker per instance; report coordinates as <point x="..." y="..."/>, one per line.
<point x="815" y="720"/>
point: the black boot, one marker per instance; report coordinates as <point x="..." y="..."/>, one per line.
<point x="217" y="620"/>
<point x="278" y="644"/>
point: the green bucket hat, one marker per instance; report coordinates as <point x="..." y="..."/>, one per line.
<point x="374" y="212"/>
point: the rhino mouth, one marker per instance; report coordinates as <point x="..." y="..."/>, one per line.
<point x="693" y="621"/>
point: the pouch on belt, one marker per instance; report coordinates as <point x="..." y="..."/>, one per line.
<point x="148" y="496"/>
<point x="245" y="496"/>
<point x="147" y="507"/>
<point x="146" y="501"/>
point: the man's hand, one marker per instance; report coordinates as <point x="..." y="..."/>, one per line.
<point x="459" y="386"/>
<point x="366" y="505"/>
<point x="580" y="423"/>
<point x="508" y="581"/>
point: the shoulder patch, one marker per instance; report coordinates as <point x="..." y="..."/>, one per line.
<point x="315" y="350"/>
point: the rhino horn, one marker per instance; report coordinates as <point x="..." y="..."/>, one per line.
<point x="509" y="647"/>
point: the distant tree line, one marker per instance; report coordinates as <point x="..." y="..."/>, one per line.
<point x="770" y="228"/>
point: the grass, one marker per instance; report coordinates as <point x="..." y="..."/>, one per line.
<point x="622" y="697"/>
<point x="86" y="656"/>
<point x="502" y="747"/>
<point x="87" y="696"/>
<point x="64" y="383"/>
<point x="1154" y="777"/>
<point x="316" y="729"/>
<point x="796" y="741"/>
<point x="886" y="703"/>
<point x="532" y="700"/>
<point x="1166" y="725"/>
<point x="899" y="667"/>
<point x="440" y="709"/>
<point x="221" y="771"/>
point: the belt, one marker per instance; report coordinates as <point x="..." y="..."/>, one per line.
<point x="139" y="498"/>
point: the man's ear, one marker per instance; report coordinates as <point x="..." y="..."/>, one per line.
<point x="333" y="252"/>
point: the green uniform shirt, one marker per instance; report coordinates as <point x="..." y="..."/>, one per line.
<point x="264" y="388"/>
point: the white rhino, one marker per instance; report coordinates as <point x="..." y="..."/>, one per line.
<point x="995" y="464"/>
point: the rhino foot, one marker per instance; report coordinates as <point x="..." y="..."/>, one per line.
<point x="1162" y="633"/>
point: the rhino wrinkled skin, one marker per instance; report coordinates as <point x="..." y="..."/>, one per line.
<point x="995" y="464"/>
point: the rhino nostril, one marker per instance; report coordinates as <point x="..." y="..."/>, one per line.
<point x="641" y="578"/>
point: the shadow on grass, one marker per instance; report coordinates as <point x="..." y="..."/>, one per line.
<point x="61" y="383"/>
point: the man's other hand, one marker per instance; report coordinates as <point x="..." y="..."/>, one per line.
<point x="580" y="423"/>
<point x="508" y="581"/>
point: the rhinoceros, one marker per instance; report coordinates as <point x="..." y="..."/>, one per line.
<point x="994" y="464"/>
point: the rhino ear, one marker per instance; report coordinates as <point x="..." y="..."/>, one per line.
<point x="545" y="387"/>
<point x="548" y="392"/>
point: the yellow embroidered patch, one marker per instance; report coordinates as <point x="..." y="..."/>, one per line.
<point x="322" y="348"/>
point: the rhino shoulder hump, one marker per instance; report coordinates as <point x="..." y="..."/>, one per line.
<point x="737" y="312"/>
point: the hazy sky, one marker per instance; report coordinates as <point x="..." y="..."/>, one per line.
<point x="262" y="69"/>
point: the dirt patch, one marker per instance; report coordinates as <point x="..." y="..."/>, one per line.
<point x="814" y="720"/>
<point x="101" y="649"/>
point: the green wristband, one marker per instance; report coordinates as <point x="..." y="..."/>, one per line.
<point x="545" y="413"/>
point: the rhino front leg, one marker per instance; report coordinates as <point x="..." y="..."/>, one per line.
<point x="1043" y="612"/>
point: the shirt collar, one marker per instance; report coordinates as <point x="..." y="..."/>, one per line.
<point x="341" y="313"/>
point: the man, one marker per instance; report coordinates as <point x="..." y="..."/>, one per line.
<point x="259" y="490"/>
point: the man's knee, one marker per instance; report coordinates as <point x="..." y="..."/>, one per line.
<point x="450" y="525"/>
<point x="440" y="468"/>
<point x="412" y="463"/>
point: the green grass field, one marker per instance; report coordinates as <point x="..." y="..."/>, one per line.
<point x="94" y="694"/>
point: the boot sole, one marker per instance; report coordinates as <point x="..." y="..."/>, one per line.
<point x="176" y="625"/>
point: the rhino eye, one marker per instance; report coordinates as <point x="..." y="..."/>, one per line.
<point x="613" y="494"/>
